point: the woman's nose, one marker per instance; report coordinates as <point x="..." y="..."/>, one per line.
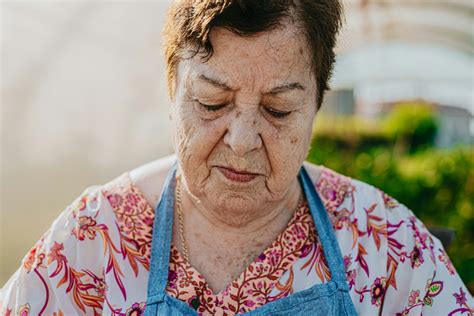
<point x="243" y="135"/>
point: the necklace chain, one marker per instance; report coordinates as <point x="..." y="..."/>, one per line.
<point x="181" y="219"/>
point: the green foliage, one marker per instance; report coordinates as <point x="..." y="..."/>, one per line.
<point x="414" y="124"/>
<point x="437" y="184"/>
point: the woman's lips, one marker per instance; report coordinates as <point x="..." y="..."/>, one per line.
<point x="238" y="176"/>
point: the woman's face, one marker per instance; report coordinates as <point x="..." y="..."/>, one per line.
<point x="243" y="119"/>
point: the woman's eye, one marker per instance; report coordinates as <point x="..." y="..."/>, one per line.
<point x="211" y="107"/>
<point x="277" y="114"/>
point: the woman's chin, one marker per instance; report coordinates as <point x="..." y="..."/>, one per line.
<point x="234" y="205"/>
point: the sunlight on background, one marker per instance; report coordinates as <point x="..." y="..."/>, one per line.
<point x="84" y="99"/>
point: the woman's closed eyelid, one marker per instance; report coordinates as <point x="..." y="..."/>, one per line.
<point x="210" y="107"/>
<point x="276" y="113"/>
<point x="216" y="107"/>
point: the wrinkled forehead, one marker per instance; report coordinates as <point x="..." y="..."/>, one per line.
<point x="256" y="62"/>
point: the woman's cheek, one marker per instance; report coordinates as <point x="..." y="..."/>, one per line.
<point x="203" y="134"/>
<point x="275" y="150"/>
<point x="288" y="153"/>
<point x="201" y="137"/>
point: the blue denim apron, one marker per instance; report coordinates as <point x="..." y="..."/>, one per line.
<point x="331" y="298"/>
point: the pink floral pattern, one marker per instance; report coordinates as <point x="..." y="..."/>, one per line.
<point x="95" y="259"/>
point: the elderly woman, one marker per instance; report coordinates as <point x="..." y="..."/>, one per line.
<point x="236" y="222"/>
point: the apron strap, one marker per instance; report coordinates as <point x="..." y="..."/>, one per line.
<point x="161" y="241"/>
<point x="325" y="231"/>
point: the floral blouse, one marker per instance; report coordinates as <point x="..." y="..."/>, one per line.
<point x="95" y="259"/>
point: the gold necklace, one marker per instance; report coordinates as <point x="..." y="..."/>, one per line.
<point x="181" y="220"/>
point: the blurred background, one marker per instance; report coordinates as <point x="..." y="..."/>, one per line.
<point x="84" y="99"/>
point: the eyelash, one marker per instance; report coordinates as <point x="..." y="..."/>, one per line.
<point x="211" y="107"/>
<point x="277" y="114"/>
<point x="217" y="107"/>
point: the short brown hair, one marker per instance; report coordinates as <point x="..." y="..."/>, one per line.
<point x="189" y="23"/>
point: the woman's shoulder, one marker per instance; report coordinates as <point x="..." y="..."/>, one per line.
<point x="100" y="240"/>
<point x="134" y="194"/>
<point x="150" y="178"/>
<point x="387" y="248"/>
<point x="133" y="197"/>
<point x="336" y="188"/>
<point x="63" y="263"/>
<point x="364" y="212"/>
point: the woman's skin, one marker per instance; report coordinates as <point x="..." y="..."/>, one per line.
<point x="251" y="82"/>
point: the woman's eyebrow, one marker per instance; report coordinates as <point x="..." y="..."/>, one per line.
<point x="215" y="82"/>
<point x="279" y="89"/>
<point x="287" y="87"/>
